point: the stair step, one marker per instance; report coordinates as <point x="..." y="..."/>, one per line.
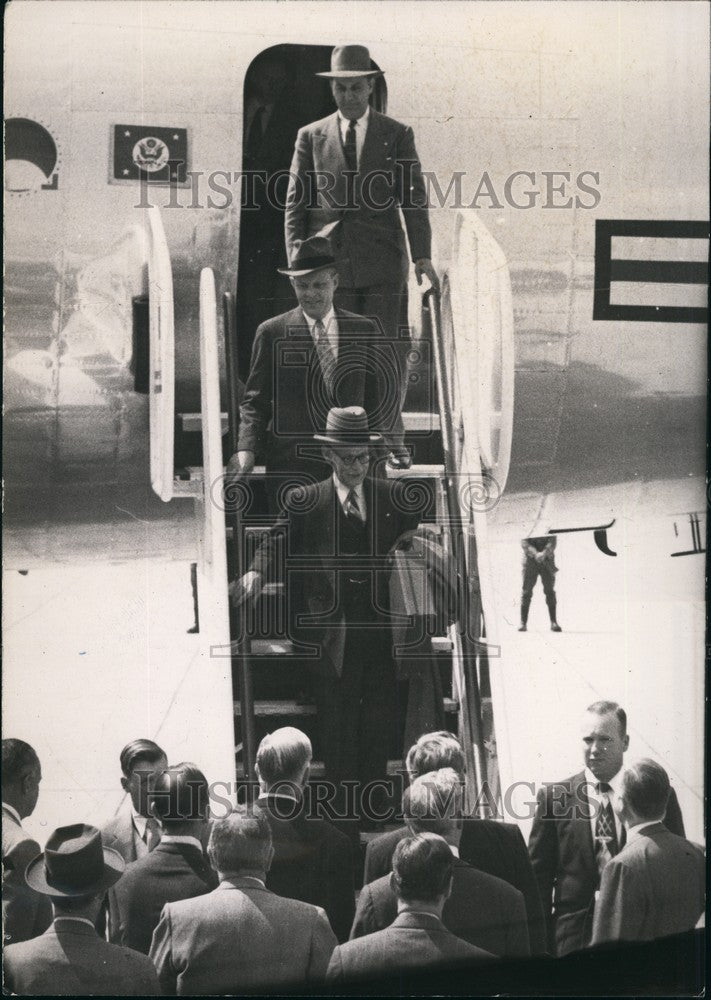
<point x="302" y="708"/>
<point x="284" y="647"/>
<point x="413" y="421"/>
<point x="318" y="769"/>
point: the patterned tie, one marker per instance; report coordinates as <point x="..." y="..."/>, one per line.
<point x="325" y="353"/>
<point x="351" y="506"/>
<point x="606" y="845"/>
<point x="349" y="146"/>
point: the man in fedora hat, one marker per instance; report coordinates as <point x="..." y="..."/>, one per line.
<point x="75" y="871"/>
<point x="359" y="169"/>
<point x="339" y="533"/>
<point x="303" y="363"/>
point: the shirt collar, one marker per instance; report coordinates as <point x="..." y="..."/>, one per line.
<point x="139" y="823"/>
<point x="454" y="849"/>
<point x="13" y="812"/>
<point x="343" y="492"/>
<point x="614" y="782"/>
<point x="278" y="795"/>
<point x="77" y="920"/>
<point x="329" y="318"/>
<point x="362" y="121"/>
<point x="635" y="831"/>
<point x="229" y="882"/>
<point x="179" y="838"/>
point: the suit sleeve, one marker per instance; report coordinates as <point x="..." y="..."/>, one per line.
<point x="256" y="407"/>
<point x="517" y="939"/>
<point x="673" y="819"/>
<point x="340" y="887"/>
<point x="543" y="851"/>
<point x="335" y="968"/>
<point x="376" y="861"/>
<point x="147" y="984"/>
<point x="528" y="886"/>
<point x="413" y="197"/>
<point x="621" y="906"/>
<point x="297" y="196"/>
<point x="365" y="921"/>
<point x="323" y="942"/>
<point x="161" y="954"/>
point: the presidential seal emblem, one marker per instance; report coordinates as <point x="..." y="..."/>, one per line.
<point x="150" y="154"/>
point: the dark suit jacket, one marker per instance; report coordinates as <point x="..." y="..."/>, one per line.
<point x="483" y="910"/>
<point x="653" y="888"/>
<point x="413" y="940"/>
<point x="71" y="959"/>
<point x="25" y="913"/>
<point x="310" y="528"/>
<point x="240" y="937"/>
<point x="168" y="873"/>
<point x="369" y="243"/>
<point x="313" y="861"/>
<point x="495" y="848"/>
<point x="286" y="400"/>
<point x="563" y="857"/>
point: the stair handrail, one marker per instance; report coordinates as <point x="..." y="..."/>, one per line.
<point x="465" y="646"/>
<point x="242" y="646"/>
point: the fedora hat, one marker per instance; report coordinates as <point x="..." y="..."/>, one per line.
<point x="347" y="425"/>
<point x="350" y="61"/>
<point x="313" y="254"/>
<point x="74" y="864"/>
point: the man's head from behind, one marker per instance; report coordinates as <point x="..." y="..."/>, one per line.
<point x="21" y="776"/>
<point x="644" y="793"/>
<point x="180" y="800"/>
<point x="422" y="870"/>
<point x="434" y="751"/>
<point x="605" y="739"/>
<point x="433" y="803"/>
<point x="241" y="843"/>
<point x="283" y="760"/>
<point x="141" y="762"/>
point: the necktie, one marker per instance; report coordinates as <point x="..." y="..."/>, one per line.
<point x="256" y="134"/>
<point x="152" y="834"/>
<point x="351" y="506"/>
<point x="325" y="353"/>
<point x="606" y="846"/>
<point x="349" y="147"/>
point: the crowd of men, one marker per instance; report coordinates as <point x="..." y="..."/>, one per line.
<point x="168" y="899"/>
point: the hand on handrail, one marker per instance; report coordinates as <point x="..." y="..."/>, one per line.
<point x="425" y="268"/>
<point x="241" y="464"/>
<point x="246" y="589"/>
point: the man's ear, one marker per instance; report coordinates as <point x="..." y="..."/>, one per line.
<point x="336" y="278"/>
<point x="393" y="883"/>
<point x="124" y="783"/>
<point x="626" y="741"/>
<point x="448" y="890"/>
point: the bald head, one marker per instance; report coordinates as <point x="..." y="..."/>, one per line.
<point x="283" y="757"/>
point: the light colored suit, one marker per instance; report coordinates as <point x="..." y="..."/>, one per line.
<point x="414" y="940"/>
<point x="238" y="937"/>
<point x="25" y="912"/>
<point x="369" y="243"/>
<point x="71" y="959"/>
<point x="120" y="834"/>
<point x="653" y="888"/>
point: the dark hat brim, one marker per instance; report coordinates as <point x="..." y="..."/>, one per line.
<point x="348" y="441"/>
<point x="36" y="877"/>
<point x="298" y="272"/>
<point x="349" y="74"/>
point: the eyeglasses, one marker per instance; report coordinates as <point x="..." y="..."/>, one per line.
<point x="363" y="458"/>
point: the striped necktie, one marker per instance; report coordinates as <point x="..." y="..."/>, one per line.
<point x="326" y="357"/>
<point x="351" y="506"/>
<point x="349" y="146"/>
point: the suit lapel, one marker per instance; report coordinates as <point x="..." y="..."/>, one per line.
<point x="372" y="155"/>
<point x="581" y="820"/>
